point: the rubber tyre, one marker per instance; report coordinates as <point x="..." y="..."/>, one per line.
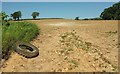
<point x="25" y="52"/>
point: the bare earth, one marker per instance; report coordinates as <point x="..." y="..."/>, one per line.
<point x="103" y="35"/>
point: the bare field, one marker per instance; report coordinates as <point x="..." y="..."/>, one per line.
<point x="102" y="35"/>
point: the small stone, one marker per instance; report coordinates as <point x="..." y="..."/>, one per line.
<point x="38" y="66"/>
<point x="13" y="67"/>
<point x="49" y="35"/>
<point x="65" y="69"/>
<point x="22" y="65"/>
<point x="93" y="65"/>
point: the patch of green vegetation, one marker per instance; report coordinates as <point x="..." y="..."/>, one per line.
<point x="17" y="31"/>
<point x="73" y="64"/>
<point x="71" y="40"/>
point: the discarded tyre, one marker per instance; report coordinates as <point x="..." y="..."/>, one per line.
<point x="26" y="49"/>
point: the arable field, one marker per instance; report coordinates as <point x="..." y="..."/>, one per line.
<point x="70" y="46"/>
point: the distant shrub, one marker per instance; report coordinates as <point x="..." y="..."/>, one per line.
<point x="96" y="19"/>
<point x="93" y="18"/>
<point x="86" y="19"/>
<point x="17" y="31"/>
<point x="76" y="18"/>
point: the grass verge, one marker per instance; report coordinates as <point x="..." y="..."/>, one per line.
<point x="17" y="31"/>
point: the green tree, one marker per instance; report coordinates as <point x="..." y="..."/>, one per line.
<point x="16" y="15"/>
<point x="3" y="15"/>
<point x="35" y="14"/>
<point x="111" y="13"/>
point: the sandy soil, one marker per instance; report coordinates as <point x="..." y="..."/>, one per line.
<point x="98" y="33"/>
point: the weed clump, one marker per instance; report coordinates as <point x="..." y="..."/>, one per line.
<point x="70" y="41"/>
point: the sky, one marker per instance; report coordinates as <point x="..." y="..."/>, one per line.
<point x="67" y="10"/>
<point x="60" y="0"/>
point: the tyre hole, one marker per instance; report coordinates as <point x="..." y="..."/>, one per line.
<point x="26" y="47"/>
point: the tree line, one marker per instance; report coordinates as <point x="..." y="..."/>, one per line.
<point x="17" y="15"/>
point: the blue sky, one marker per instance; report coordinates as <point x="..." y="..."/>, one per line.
<point x="59" y="0"/>
<point x="57" y="9"/>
